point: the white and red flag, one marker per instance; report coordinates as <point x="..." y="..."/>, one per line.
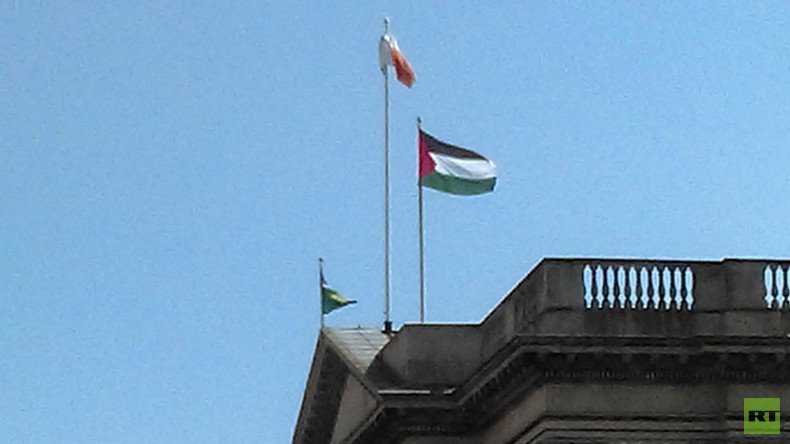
<point x="390" y="55"/>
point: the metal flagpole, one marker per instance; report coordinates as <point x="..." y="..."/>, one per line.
<point x="384" y="70"/>
<point x="422" y="243"/>
<point x="321" y="288"/>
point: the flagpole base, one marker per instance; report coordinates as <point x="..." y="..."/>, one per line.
<point x="387" y="327"/>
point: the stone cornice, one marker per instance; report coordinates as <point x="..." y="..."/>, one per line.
<point x="533" y="362"/>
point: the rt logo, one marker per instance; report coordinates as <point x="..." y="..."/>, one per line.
<point x="761" y="416"/>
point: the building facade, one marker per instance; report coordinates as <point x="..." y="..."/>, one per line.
<point x="580" y="351"/>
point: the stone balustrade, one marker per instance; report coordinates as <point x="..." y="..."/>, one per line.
<point x="579" y="300"/>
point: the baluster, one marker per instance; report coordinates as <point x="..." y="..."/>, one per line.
<point x="628" y="287"/>
<point x="650" y="288"/>
<point x="605" y="289"/>
<point x="780" y="283"/>
<point x="616" y="298"/>
<point x="586" y="286"/>
<point x="625" y="271"/>
<point x="673" y="291"/>
<point x="662" y="291"/>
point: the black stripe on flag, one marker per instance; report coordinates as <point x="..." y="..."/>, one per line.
<point x="437" y="146"/>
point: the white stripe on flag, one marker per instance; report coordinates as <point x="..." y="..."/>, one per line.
<point x="472" y="169"/>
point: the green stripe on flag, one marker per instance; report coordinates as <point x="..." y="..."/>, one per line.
<point x="457" y="185"/>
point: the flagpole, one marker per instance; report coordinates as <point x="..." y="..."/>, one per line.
<point x="422" y="242"/>
<point x="321" y="288"/>
<point x="384" y="70"/>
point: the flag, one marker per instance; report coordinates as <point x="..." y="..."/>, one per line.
<point x="390" y="55"/>
<point x="452" y="169"/>
<point x="330" y="299"/>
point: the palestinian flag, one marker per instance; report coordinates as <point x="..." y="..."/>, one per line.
<point x="330" y="299"/>
<point x="452" y="169"/>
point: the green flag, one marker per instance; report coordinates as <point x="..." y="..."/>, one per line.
<point x="330" y="299"/>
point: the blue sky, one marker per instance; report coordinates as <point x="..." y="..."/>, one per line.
<point x="170" y="172"/>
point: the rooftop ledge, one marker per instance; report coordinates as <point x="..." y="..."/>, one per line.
<point x="579" y="302"/>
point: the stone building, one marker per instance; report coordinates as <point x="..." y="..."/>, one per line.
<point x="580" y="351"/>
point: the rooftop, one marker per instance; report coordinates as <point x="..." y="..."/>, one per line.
<point x="359" y="345"/>
<point x="599" y="311"/>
